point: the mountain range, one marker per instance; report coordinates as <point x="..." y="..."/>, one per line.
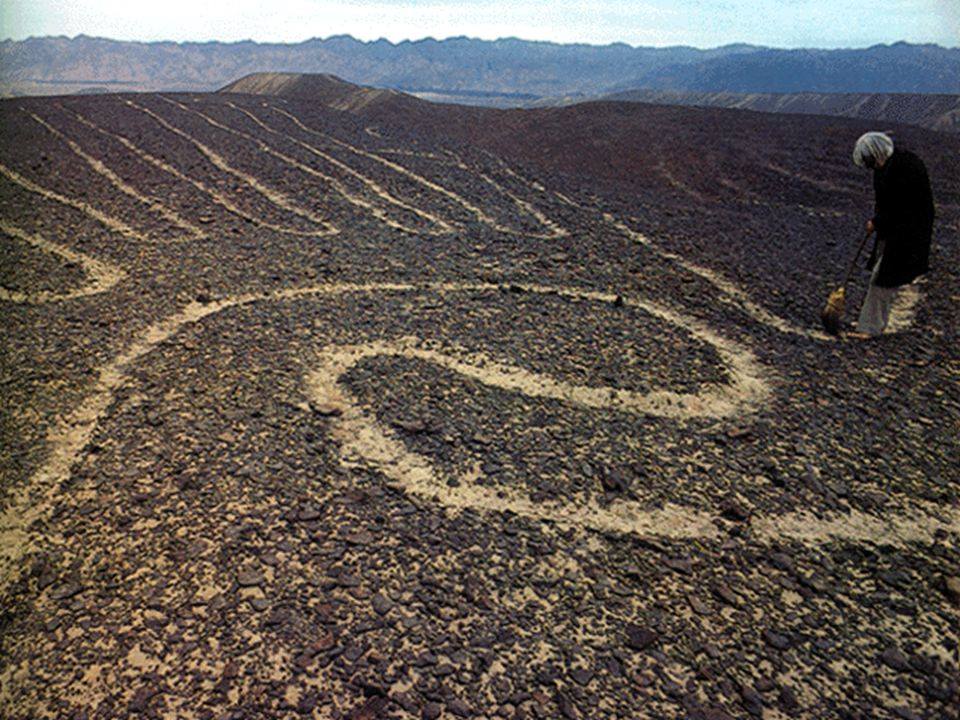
<point x="506" y="71"/>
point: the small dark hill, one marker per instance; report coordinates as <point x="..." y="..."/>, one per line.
<point x="329" y="90"/>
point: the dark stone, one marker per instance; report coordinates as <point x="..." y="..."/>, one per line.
<point x="951" y="588"/>
<point x="308" y="514"/>
<point x="412" y="427"/>
<point x="640" y="638"/>
<point x="459" y="708"/>
<point x="724" y="593"/>
<point x="680" y="565"/>
<point x="788" y="698"/>
<point x="905" y="713"/>
<point x="567" y="708"/>
<point x="308" y="703"/>
<point x="141" y="698"/>
<point x="893" y="658"/>
<point x="381" y="604"/>
<point x="249" y="578"/>
<point x="734" y="510"/>
<point x="752" y="702"/>
<point x="431" y="711"/>
<point x="776" y="640"/>
<point x="66" y="591"/>
<point x="581" y="676"/>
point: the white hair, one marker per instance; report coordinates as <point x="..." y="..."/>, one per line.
<point x="872" y="149"/>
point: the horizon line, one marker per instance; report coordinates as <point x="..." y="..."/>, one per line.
<point x="429" y="38"/>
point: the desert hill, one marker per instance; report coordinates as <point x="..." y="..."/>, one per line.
<point x="329" y="90"/>
<point x="402" y="410"/>
<point x="936" y="112"/>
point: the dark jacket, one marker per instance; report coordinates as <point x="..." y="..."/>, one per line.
<point x="903" y="218"/>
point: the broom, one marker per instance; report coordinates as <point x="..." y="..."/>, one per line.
<point x="832" y="312"/>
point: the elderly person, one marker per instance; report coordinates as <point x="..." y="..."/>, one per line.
<point x="903" y="221"/>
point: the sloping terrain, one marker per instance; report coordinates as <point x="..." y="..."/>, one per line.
<point x="476" y="414"/>
<point x="935" y="112"/>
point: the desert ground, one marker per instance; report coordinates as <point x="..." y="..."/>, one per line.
<point x="308" y="413"/>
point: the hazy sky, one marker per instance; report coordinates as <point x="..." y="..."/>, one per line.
<point x="703" y="23"/>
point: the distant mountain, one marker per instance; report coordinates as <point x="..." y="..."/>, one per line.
<point x="503" y="72"/>
<point x="897" y="68"/>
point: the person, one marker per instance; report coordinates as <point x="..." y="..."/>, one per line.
<point x="903" y="222"/>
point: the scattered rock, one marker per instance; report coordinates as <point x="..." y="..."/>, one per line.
<point x="381" y="604"/>
<point x="640" y="638"/>
<point x="250" y="577"/>
<point x="431" y="711"/>
<point x="66" y="591"/>
<point x="951" y="588"/>
<point x="893" y="658"/>
<point x="411" y="427"/>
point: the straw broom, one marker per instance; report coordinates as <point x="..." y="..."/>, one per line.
<point x="832" y="313"/>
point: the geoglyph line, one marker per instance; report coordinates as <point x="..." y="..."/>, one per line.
<point x="102" y="276"/>
<point x="294" y="163"/>
<point x="276" y="197"/>
<point x="110" y="222"/>
<point x="217" y="197"/>
<point x="366" y="442"/>
<point x="362" y="440"/>
<point x="555" y="230"/>
<point x="902" y="315"/>
<point x="728" y="289"/>
<point x="371" y="184"/>
<point x="98" y="167"/>
<point x="463" y="202"/>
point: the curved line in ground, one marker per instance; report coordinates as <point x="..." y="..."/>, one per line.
<point x="366" y="442"/>
<point x="73" y="431"/>
<point x="100" y="168"/>
<point x="732" y="292"/>
<point x="376" y="189"/>
<point x="274" y="196"/>
<point x="109" y="221"/>
<point x="102" y="276"/>
<point x="396" y="167"/>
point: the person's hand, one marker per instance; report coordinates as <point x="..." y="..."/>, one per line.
<point x="870" y="227"/>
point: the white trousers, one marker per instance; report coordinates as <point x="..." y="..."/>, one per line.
<point x="876" y="306"/>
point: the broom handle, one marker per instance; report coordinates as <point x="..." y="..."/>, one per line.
<point x="855" y="257"/>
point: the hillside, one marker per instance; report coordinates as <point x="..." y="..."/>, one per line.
<point x="403" y="411"/>
<point x="935" y="112"/>
<point x="467" y="68"/>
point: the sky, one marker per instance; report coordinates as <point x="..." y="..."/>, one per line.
<point x="701" y="23"/>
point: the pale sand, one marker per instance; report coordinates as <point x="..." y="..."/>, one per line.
<point x="107" y="220"/>
<point x="275" y="196"/>
<point x="101" y="275"/>
<point x="214" y="195"/>
<point x="426" y="182"/>
<point x="98" y="167"/>
<point x="730" y="290"/>
<point x="374" y="187"/>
